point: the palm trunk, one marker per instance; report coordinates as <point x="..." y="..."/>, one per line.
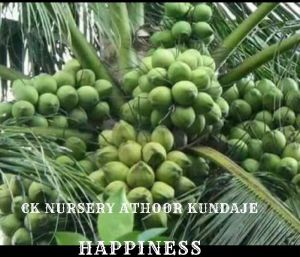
<point x="260" y="58"/>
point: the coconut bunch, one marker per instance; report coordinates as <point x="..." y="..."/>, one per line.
<point x="145" y="165"/>
<point x="178" y="89"/>
<point x="184" y="24"/>
<point x="18" y="227"/>
<point x="72" y="97"/>
<point x="262" y="130"/>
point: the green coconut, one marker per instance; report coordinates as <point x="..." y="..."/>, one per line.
<point x="143" y="105"/>
<point x="48" y="104"/>
<point x="162" y="58"/>
<point x="21" y="237"/>
<point x="290" y="133"/>
<point x="88" y="97"/>
<point x="287" y="168"/>
<point x="157" y="77"/>
<point x="197" y="127"/>
<point x="224" y="106"/>
<point x="161" y="134"/>
<point x="169" y="172"/>
<point x="214" y="115"/>
<point x="292" y="150"/>
<point x="180" y="158"/>
<point x="284" y="116"/>
<point x="64" y="77"/>
<point x="238" y="149"/>
<point x="293" y="101"/>
<point x="22" y="109"/>
<point x="45" y="83"/>
<point x="265" y="117"/>
<point x="199" y="169"/>
<point x="274" y="142"/>
<point x="184" y="93"/>
<point x="201" y="78"/>
<point x="85" y="77"/>
<point x="245" y="85"/>
<point x="287" y="84"/>
<point x="146" y="63"/>
<point x="99" y="180"/>
<point x="24" y="92"/>
<point x="5" y="111"/>
<point x="77" y="147"/>
<point x="10" y="224"/>
<point x="176" y="10"/>
<point x="140" y="195"/>
<point x="231" y="94"/>
<point x="143" y="137"/>
<point x="59" y="121"/>
<point x="105" y="138"/>
<point x="208" y="62"/>
<point x="201" y="12"/>
<point x="137" y="91"/>
<point x="100" y="112"/>
<point x="215" y="90"/>
<point x="240" y="110"/>
<point x="179" y="71"/>
<point x="106" y="154"/>
<point x="5" y="199"/>
<point x="144" y="85"/>
<point x="159" y="117"/>
<point x="269" y="162"/>
<point x="250" y="165"/>
<point x="183" y="117"/>
<point x="104" y="88"/>
<point x="239" y="133"/>
<point x="115" y="187"/>
<point x="68" y="97"/>
<point x="78" y="117"/>
<point x="161" y="97"/>
<point x="265" y="86"/>
<point x="296" y="181"/>
<point x="123" y="132"/>
<point x="202" y="30"/>
<point x="191" y="57"/>
<point x="162" y="192"/>
<point x="272" y="100"/>
<point x="140" y="175"/>
<point x="39" y="193"/>
<point x="65" y="160"/>
<point x="16" y="205"/>
<point x="255" y="149"/>
<point x="36" y="222"/>
<point x="162" y="38"/>
<point x="184" y="185"/>
<point x="130" y="153"/>
<point x="254" y="98"/>
<point x="154" y="154"/>
<point x="72" y="66"/>
<point x="115" y="170"/>
<point x="131" y="80"/>
<point x="87" y="165"/>
<point x="38" y="121"/>
<point x="257" y="129"/>
<point x="128" y="112"/>
<point x="181" y="30"/>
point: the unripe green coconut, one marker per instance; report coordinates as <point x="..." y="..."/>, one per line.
<point x="140" y="195"/>
<point x="296" y="182"/>
<point x="48" y="104"/>
<point x="239" y="133"/>
<point x="77" y="146"/>
<point x="100" y="112"/>
<point x="10" y="224"/>
<point x="161" y="97"/>
<point x="254" y="98"/>
<point x="176" y="10"/>
<point x="200" y="78"/>
<point x="287" y="168"/>
<point x="115" y="187"/>
<point x="179" y="71"/>
<point x="159" y="117"/>
<point x="154" y="154"/>
<point x="156" y="220"/>
<point x="72" y="65"/>
<point x="274" y="142"/>
<point x="180" y="159"/>
<point x="143" y="105"/>
<point x="181" y="30"/>
<point x="183" y="117"/>
<point x="162" y="192"/>
<point x="191" y="57"/>
<point x="292" y="150"/>
<point x="238" y="149"/>
<point x="203" y="103"/>
<point x="287" y="84"/>
<point x="201" y="12"/>
<point x="5" y="199"/>
<point x="36" y="222"/>
<point x="140" y="175"/>
<point x="5" y="111"/>
<point x="202" y="30"/>
<point x="39" y="193"/>
<point x="184" y="93"/>
<point x="24" y="92"/>
<point x="197" y="127"/>
<point x="146" y="63"/>
<point x="128" y="112"/>
<point x="290" y="133"/>
<point x="208" y="62"/>
<point x="106" y="154"/>
<point x="68" y="97"/>
<point x="85" y="77"/>
<point x="137" y="91"/>
<point x="87" y="165"/>
<point x="99" y="180"/>
<point x="265" y="86"/>
<point x="161" y="134"/>
<point x="123" y="132"/>
<point x="214" y="115"/>
<point x="115" y="170"/>
<point x="169" y="172"/>
<point x="245" y="85"/>
<point x="223" y="106"/>
<point x="265" y="117"/>
<point x="162" y="58"/>
<point x="16" y="205"/>
<point x="104" y="88"/>
<point x="250" y="165"/>
<point x="65" y="160"/>
<point x="157" y="77"/>
<point x="38" y="121"/>
<point x="131" y="80"/>
<point x="255" y="149"/>
<point x="284" y="116"/>
<point x="21" y="237"/>
<point x="64" y="77"/>
<point x="162" y="38"/>
<point x="143" y="137"/>
<point x="144" y="85"/>
<point x="45" y="83"/>
<point x="269" y="162"/>
<point x="257" y="129"/>
<point x="231" y="94"/>
<point x="105" y="138"/>
<point x="293" y="101"/>
<point x="272" y="100"/>
<point x="240" y="110"/>
<point x="198" y="169"/>
<point x="184" y="185"/>
<point x="22" y="109"/>
<point x="59" y="121"/>
<point x="78" y="117"/>
<point x="88" y="97"/>
<point x="130" y="153"/>
<point x="214" y="90"/>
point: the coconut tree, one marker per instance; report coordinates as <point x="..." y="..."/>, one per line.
<point x="115" y="38"/>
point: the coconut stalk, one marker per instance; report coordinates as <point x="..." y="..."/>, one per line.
<point x="136" y="14"/>
<point x="237" y="36"/>
<point x="260" y="58"/>
<point x="11" y="74"/>
<point x="121" y="25"/>
<point x="250" y="182"/>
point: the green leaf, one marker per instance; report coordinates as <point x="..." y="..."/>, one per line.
<point x="132" y="236"/>
<point x="69" y="238"/>
<point x="115" y="224"/>
<point x="151" y="233"/>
